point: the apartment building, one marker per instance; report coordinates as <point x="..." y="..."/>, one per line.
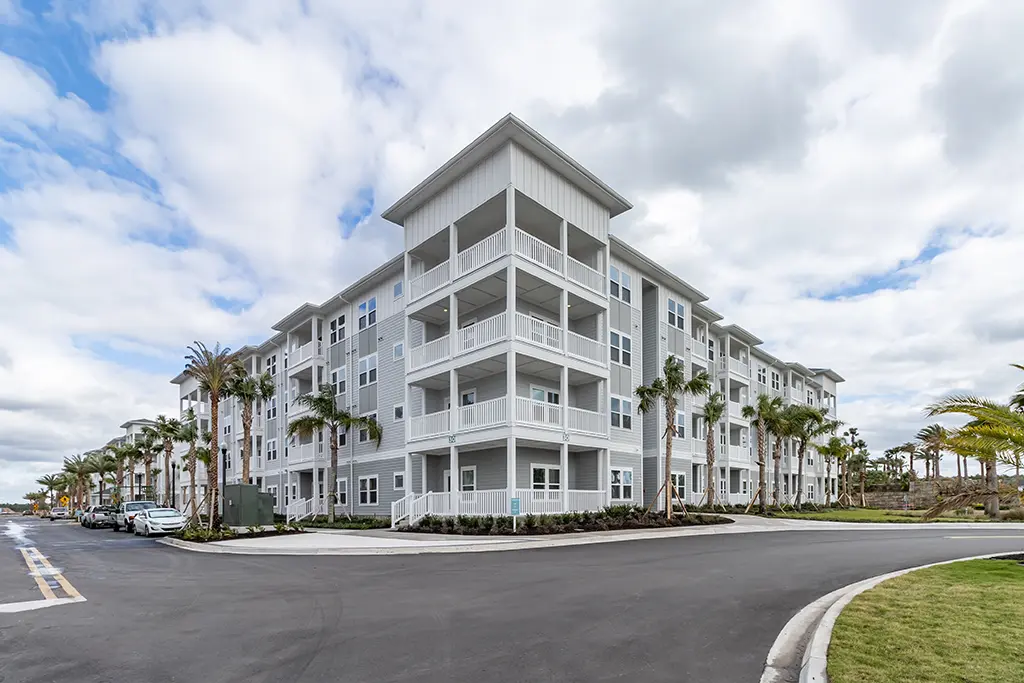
<point x="132" y="430"/>
<point x="500" y="352"/>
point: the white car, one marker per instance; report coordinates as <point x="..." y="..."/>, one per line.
<point x="124" y="516"/>
<point x="158" y="521"/>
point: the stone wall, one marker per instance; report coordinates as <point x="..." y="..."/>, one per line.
<point x="922" y="495"/>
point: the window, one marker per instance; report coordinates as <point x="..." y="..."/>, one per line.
<point x="678" y="483"/>
<point x="676" y="317"/>
<point x="338" y="380"/>
<point x="272" y="490"/>
<point x="399" y="351"/>
<point x="743" y="486"/>
<point x="680" y="424"/>
<point x="399" y="482"/>
<point x="711" y="349"/>
<point x="368" y="370"/>
<point x="398" y="289"/>
<point x="622" y="484"/>
<point x="810" y="397"/>
<point x="272" y="365"/>
<point x="343" y="492"/>
<point x="399" y="412"/>
<point x="338" y="330"/>
<point x="271" y="450"/>
<point x="621" y="349"/>
<point x="467" y="475"/>
<point x="810" y="457"/>
<point x="342" y="437"/>
<point x="368" y="313"/>
<point x="620" y="286"/>
<point x="364" y="434"/>
<point x="544" y="395"/>
<point x="272" y="408"/>
<point x="368" y="490"/>
<point x="762" y="375"/>
<point x="227" y="430"/>
<point x="810" y="491"/>
<point x="468" y="397"/>
<point x="546" y="477"/>
<point x="775" y="381"/>
<point x="622" y="412"/>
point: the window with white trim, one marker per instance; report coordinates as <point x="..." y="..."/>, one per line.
<point x="272" y="490"/>
<point x="338" y="380"/>
<point x="544" y="395"/>
<point x="711" y="349"/>
<point x="810" y="397"/>
<point x="368" y="370"/>
<point x="364" y="433"/>
<point x="399" y="351"/>
<point x="699" y="427"/>
<point x="622" y="483"/>
<point x="775" y="380"/>
<point x="368" y="490"/>
<point x="399" y="481"/>
<point x="678" y="483"/>
<point x="272" y="408"/>
<point x="810" y="457"/>
<point x="467" y="476"/>
<point x="545" y="477"/>
<point x="272" y="365"/>
<point x="621" y="348"/>
<point x="676" y="314"/>
<point x="622" y="412"/>
<point x="398" y="289"/>
<point x="271" y="449"/>
<point x="342" y="437"/>
<point x="810" y="491"/>
<point x="399" y="414"/>
<point x="762" y="375"/>
<point x="342" y="491"/>
<point x="338" y="330"/>
<point x="619" y="286"/>
<point x="368" y="313"/>
<point x="680" y="424"/>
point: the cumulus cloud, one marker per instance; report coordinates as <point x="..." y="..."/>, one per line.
<point x="840" y="178"/>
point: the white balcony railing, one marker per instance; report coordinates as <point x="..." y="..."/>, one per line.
<point x="538" y="412"/>
<point x="432" y="352"/>
<point x="538" y="332"/>
<point x="538" y="251"/>
<point x="484" y="414"/>
<point x="433" y="279"/>
<point x="700" y="446"/>
<point x="429" y="425"/>
<point x="739" y="367"/>
<point x="586" y="348"/>
<point x="483" y="252"/>
<point x="587" y="421"/>
<point x="735" y="409"/>
<point x="539" y="501"/>
<point x="699" y="400"/>
<point x="794" y="394"/>
<point x="301" y="453"/>
<point x="584" y="275"/>
<point x="494" y="502"/>
<point x="584" y="501"/>
<point x="483" y="333"/>
<point x="739" y="452"/>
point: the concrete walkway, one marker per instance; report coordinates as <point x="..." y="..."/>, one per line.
<point x="385" y="542"/>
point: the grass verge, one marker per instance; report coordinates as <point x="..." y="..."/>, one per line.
<point x="957" y="622"/>
<point x="871" y="515"/>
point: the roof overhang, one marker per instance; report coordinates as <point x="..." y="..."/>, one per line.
<point x="144" y="422"/>
<point x="180" y="379"/>
<point x="508" y="129"/>
<point x="296" y="317"/>
<point x="828" y="372"/>
<point x="644" y="264"/>
<point x="802" y="369"/>
<point x="743" y="335"/>
<point x="706" y="314"/>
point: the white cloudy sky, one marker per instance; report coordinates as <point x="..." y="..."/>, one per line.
<point x="842" y="178"/>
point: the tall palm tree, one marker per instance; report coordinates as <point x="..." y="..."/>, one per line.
<point x="933" y="441"/>
<point x="714" y="409"/>
<point x="858" y="462"/>
<point x="51" y="482"/>
<point x="101" y="463"/>
<point x="910" y="448"/>
<point x="808" y="424"/>
<point x="148" y="443"/>
<point x="325" y="414"/>
<point x="212" y="369"/>
<point x="855" y="445"/>
<point x="831" y="450"/>
<point x="781" y="427"/>
<point x="167" y="429"/>
<point x="765" y="408"/>
<point x="189" y="433"/>
<point x="132" y="457"/>
<point x="250" y="390"/>
<point x="669" y="388"/>
<point x="78" y="471"/>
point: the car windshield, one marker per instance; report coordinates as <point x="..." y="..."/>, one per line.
<point x="139" y="506"/>
<point x="60" y="509"/>
<point x="164" y="513"/>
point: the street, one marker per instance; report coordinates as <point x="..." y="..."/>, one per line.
<point x="699" y="608"/>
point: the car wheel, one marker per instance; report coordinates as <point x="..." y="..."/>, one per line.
<point x="113" y="528"/>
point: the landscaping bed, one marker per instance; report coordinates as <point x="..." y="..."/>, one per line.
<point x="872" y="515"/>
<point x="954" y="622"/>
<point x="204" y="535"/>
<point x="613" y="518"/>
<point x="342" y="522"/>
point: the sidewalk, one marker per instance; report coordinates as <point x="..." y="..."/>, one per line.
<point x="384" y="542"/>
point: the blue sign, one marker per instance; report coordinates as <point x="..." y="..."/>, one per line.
<point x="515" y="507"/>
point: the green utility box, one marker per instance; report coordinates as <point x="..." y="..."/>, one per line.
<point x="247" y="506"/>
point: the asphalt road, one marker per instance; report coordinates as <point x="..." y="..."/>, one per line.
<point x="701" y="608"/>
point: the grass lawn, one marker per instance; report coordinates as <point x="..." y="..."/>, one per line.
<point x="960" y="622"/>
<point x="869" y="515"/>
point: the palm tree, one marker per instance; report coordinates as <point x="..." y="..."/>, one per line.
<point x="855" y="445"/>
<point x="808" y="424"/>
<point x="102" y="463"/>
<point x="1017" y="400"/>
<point x="781" y="427"/>
<point x="50" y="482"/>
<point x="933" y="441"/>
<point x="167" y="431"/>
<point x="765" y="408"/>
<point x="714" y="408"/>
<point x="132" y="456"/>
<point x="833" y="449"/>
<point x="910" y="448"/>
<point x="249" y="390"/>
<point x="325" y="414"/>
<point x="212" y="369"/>
<point x="189" y="433"/>
<point x="669" y="388"/>
<point x="78" y="471"/>
<point x="148" y="442"/>
<point x="858" y="462"/>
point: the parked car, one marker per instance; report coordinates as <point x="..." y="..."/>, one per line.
<point x="58" y="513"/>
<point x="97" y="516"/>
<point x="158" y="521"/>
<point x="26" y="513"/>
<point x="124" y="516"/>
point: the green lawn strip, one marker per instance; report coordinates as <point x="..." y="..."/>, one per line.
<point x="960" y="622"/>
<point x="870" y="515"/>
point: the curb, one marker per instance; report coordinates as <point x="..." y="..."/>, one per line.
<point x="818" y="619"/>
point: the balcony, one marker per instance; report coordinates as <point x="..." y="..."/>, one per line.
<point x="739" y="452"/>
<point x="538" y="413"/>
<point x="699" y="400"/>
<point x="495" y="413"/>
<point x="481" y="334"/>
<point x="432" y="280"/>
<point x="736" y="410"/>
<point x="484" y="414"/>
<point x="538" y="332"/>
<point x="586" y="348"/>
<point x="739" y="367"/>
<point x="301" y="453"/>
<point x="794" y="395"/>
<point x="587" y="421"/>
<point x="585" y="276"/>
<point x="538" y="251"/>
<point x="700" y="446"/>
<point x="432" y="352"/>
<point x="430" y="425"/>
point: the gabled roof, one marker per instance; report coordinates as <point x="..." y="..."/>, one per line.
<point x="296" y="317"/>
<point x="645" y="264"/>
<point x="144" y="422"/>
<point x="706" y="314"/>
<point x="508" y="129"/>
<point x="802" y="369"/>
<point x="828" y="372"/>
<point x="742" y="335"/>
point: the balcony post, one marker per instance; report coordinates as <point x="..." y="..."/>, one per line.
<point x="564" y="478"/>
<point x="456" y="485"/>
<point x="453" y="325"/>
<point x="563" y="396"/>
<point x="453" y="401"/>
<point x="563" y="320"/>
<point x="510" y="467"/>
<point x="408" y="473"/>
<point x="510" y="388"/>
<point x="563" y="241"/>
<point x="510" y="215"/>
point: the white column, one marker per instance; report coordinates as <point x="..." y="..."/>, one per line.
<point x="510" y="466"/>
<point x="510" y="366"/>
<point x="313" y="336"/>
<point x="453" y="459"/>
<point x="510" y="211"/>
<point x="408" y="473"/>
<point x="453" y="323"/>
<point x="603" y="476"/>
<point x="423" y="473"/>
<point x="316" y="485"/>
<point x="563" y="397"/>
<point x="453" y="250"/>
<point x="563" y="241"/>
<point x="453" y="393"/>
<point x="564" y="466"/>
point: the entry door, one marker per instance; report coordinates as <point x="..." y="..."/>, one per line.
<point x="447" y="481"/>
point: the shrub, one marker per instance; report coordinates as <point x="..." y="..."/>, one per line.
<point x="1014" y="515"/>
<point x="620" y="517"/>
<point x="254" y="529"/>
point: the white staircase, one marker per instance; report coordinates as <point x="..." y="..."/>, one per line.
<point x="303" y="508"/>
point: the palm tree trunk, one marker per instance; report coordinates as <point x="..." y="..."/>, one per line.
<point x="762" y="434"/>
<point x="959" y="477"/>
<point x="710" y="441"/>
<point x="131" y="481"/>
<point x="148" y="465"/>
<point x="670" y="420"/>
<point x="246" y="439"/>
<point x="211" y="469"/>
<point x="992" y="480"/>
<point x="863" y="501"/>
<point x="777" y="461"/>
<point x="332" y="484"/>
<point x="192" y="478"/>
<point x="828" y="482"/>
<point x="168" y="450"/>
<point x="800" y="476"/>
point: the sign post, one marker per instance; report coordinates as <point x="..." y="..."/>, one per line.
<point x="515" y="512"/>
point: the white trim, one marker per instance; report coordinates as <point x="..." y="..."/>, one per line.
<point x="547" y="476"/>
<point x="375" y="369"/>
<point x="342" y="490"/>
<point x="621" y="412"/>
<point x="621" y="335"/>
<point x="394" y="410"/>
<point x="621" y="485"/>
<point x="375" y="490"/>
<point x="394" y="480"/>
<point x="394" y="351"/>
<point x="466" y="393"/>
<point x="546" y="391"/>
<point x="359" y="436"/>
<point x="400" y="287"/>
<point x="468" y="468"/>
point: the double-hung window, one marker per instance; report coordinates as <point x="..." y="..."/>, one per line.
<point x="676" y="316"/>
<point x="342" y="492"/>
<point x="678" y="483"/>
<point x="622" y="412"/>
<point x="775" y="380"/>
<point x="621" y="348"/>
<point x="680" y="425"/>
<point x="272" y="365"/>
<point x="622" y="483"/>
<point x="272" y="408"/>
<point x="367" y="370"/>
<point x="711" y="349"/>
<point x="762" y="375"/>
<point x="338" y="380"/>
<point x="546" y="477"/>
<point x="619" y="286"/>
<point x="338" y="330"/>
<point x="398" y="289"/>
<point x="364" y="433"/>
<point x="399" y="412"/>
<point x="271" y="449"/>
<point x="368" y="313"/>
<point x="368" y="490"/>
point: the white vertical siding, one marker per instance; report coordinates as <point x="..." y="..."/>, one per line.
<point x="552" y="191"/>
<point x="480" y="183"/>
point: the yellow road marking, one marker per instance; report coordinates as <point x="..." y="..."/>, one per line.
<point x="40" y="581"/>
<point x="64" y="583"/>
